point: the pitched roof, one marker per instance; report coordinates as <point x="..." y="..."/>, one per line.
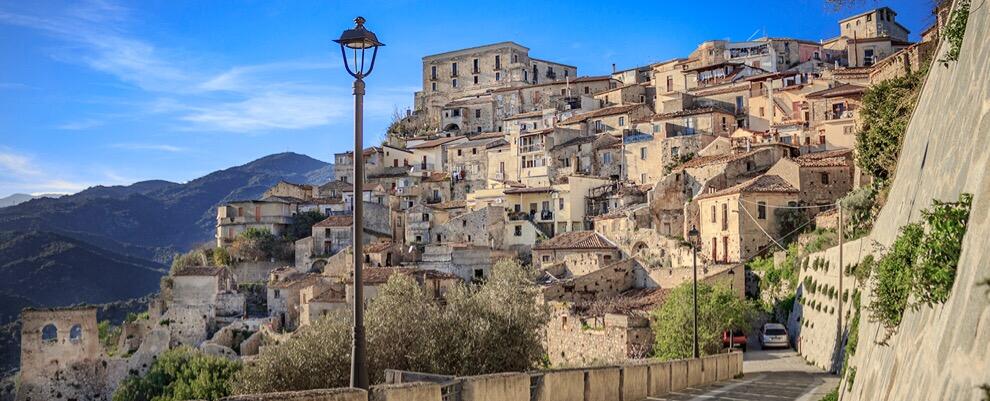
<point x="576" y="240"/>
<point x="434" y="142"/>
<point x="380" y="275"/>
<point x="336" y="184"/>
<point x="581" y="140"/>
<point x="831" y="158"/>
<point x="704" y="161"/>
<point x="528" y="114"/>
<point x="198" y="271"/>
<point x="336" y="221"/>
<point x="453" y="204"/>
<point x="376" y="247"/>
<point x="528" y="190"/>
<point x="839" y="90"/>
<point x="608" y="111"/>
<point x="766" y="183"/>
<point x="330" y="296"/>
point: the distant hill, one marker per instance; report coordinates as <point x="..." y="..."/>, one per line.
<point x="49" y="269"/>
<point x="155" y="219"/>
<point x="17" y="199"/>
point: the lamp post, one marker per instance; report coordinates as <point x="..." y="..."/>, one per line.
<point x="732" y="289"/>
<point x="693" y="236"/>
<point x="357" y="41"/>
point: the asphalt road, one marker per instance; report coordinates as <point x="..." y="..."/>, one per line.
<point x="774" y="375"/>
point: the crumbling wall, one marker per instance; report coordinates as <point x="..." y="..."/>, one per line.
<point x="61" y="356"/>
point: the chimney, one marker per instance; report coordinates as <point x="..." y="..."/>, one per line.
<point x="613" y="68"/>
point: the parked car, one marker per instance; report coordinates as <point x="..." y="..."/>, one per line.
<point x="774" y="335"/>
<point x="734" y="339"/>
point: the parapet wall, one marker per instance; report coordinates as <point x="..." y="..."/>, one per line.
<point x="634" y="381"/>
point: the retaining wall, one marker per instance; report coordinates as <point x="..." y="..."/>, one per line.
<point x="630" y="382"/>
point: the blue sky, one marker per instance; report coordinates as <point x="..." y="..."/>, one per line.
<point x="102" y="92"/>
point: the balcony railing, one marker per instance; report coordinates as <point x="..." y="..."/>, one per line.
<point x="533" y="147"/>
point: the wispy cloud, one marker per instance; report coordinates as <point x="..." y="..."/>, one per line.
<point x="198" y="96"/>
<point x="149" y="146"/>
<point x="80" y="125"/>
<point x="19" y="172"/>
<point x="17" y="164"/>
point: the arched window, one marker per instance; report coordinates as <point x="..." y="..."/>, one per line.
<point x="75" y="333"/>
<point x="49" y="333"/>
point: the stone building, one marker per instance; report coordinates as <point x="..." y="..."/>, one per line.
<point x="614" y="120"/>
<point x="822" y="178"/>
<point x="576" y="340"/>
<point x="586" y="244"/>
<point x="834" y="113"/>
<point x="61" y="356"/>
<point x="201" y="300"/>
<point x="741" y="221"/>
<point x="286" y="189"/>
<point x="274" y="215"/>
<point x="476" y="70"/>
<point x="868" y="37"/>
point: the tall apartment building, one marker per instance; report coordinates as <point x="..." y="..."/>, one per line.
<point x="477" y="70"/>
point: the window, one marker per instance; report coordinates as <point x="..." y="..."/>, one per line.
<point x="545" y="258"/>
<point x="525" y="76"/>
<point x="761" y="210"/>
<point x="642" y="177"/>
<point x="498" y="76"/>
<point x="739" y="104"/>
<point x="607" y="258"/>
<point x="477" y="112"/>
<point x="607" y="158"/>
<point x="475" y="79"/>
<point x="642" y="153"/>
<point x="433" y="72"/>
<point x="434" y="85"/>
<point x="517" y="231"/>
<point x="453" y="83"/>
<point x="821" y="139"/>
<point x="670" y="83"/>
<point x="622" y="121"/>
<point x="474" y="151"/>
<point x="453" y="69"/>
<point x="725" y="216"/>
<point x="761" y="111"/>
<point x="419" y="238"/>
<point x="560" y="204"/>
<point x="498" y="63"/>
<point x="675" y="151"/>
<point x="438" y="238"/>
<point x="714" y="216"/>
<point x="458" y="152"/>
<point x="425" y="217"/>
<point x="587" y="90"/>
<point x="656" y="128"/>
<point x="825" y="180"/>
<point x="477" y="66"/>
<point x="49" y="333"/>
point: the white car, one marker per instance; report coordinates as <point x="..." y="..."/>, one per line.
<point x="774" y="335"/>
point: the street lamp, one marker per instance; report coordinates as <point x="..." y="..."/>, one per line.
<point x="732" y="290"/>
<point x="693" y="236"/>
<point x="358" y="40"/>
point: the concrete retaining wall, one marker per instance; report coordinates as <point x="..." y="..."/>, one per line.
<point x="632" y="382"/>
<point x="496" y="387"/>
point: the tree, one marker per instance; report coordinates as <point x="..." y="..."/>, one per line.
<point x="180" y="374"/>
<point x="258" y="244"/>
<point x="302" y="224"/>
<point x="221" y="257"/>
<point x="719" y="309"/>
<point x="494" y="327"/>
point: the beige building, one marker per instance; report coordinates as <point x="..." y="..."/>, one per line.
<point x="614" y="120"/>
<point x="274" y="215"/>
<point x="834" y="113"/>
<point x="740" y="222"/>
<point x="822" y="177"/>
<point x="587" y="245"/>
<point x="476" y="70"/>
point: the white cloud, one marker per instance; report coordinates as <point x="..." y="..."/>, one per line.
<point x="149" y="146"/>
<point x="17" y="164"/>
<point x="243" y="99"/>
<point x="80" y="125"/>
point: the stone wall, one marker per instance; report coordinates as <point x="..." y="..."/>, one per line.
<point x="580" y="341"/>
<point x="814" y="330"/>
<point x="940" y="352"/>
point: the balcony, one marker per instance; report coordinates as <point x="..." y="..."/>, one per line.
<point x="546" y="215"/>
<point x="423" y="167"/>
<point x="742" y="111"/>
<point x="533" y="147"/>
<point x="841" y="115"/>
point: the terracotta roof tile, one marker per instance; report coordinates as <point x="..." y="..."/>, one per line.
<point x="762" y="184"/>
<point x="434" y="142"/>
<point x="839" y="90"/>
<point x="576" y="240"/>
<point x="832" y="158"/>
<point x="704" y="161"/>
<point x="336" y="221"/>
<point x="608" y="111"/>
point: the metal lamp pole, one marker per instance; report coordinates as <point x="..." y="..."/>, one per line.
<point x="693" y="234"/>
<point x="358" y="40"/>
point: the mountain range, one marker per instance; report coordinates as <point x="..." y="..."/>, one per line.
<point x="15" y="199"/>
<point x="108" y="243"/>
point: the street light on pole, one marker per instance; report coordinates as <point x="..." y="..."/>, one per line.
<point x="693" y="236"/>
<point x="357" y="41"/>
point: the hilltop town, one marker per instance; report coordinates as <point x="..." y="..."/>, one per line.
<point x="602" y="186"/>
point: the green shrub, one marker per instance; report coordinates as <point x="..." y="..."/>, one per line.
<point x="955" y="30"/>
<point x="938" y="254"/>
<point x="109" y="336"/>
<point x="886" y="109"/>
<point x="832" y="395"/>
<point x="850" y="378"/>
<point x="180" y="374"/>
<point x="718" y="309"/>
<point x="893" y="276"/>
<point x="861" y="271"/>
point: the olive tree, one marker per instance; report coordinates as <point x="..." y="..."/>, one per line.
<point x="719" y="309"/>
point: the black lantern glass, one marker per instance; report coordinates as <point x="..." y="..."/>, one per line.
<point x="358" y="40"/>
